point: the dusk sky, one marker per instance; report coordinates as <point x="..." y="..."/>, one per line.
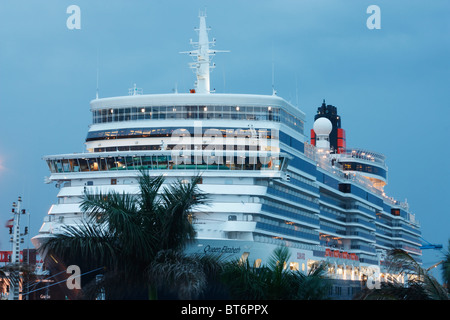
<point x="391" y="85"/>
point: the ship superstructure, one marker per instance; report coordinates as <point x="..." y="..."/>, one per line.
<point x="267" y="183"/>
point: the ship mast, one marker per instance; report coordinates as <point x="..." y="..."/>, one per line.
<point x="202" y="56"/>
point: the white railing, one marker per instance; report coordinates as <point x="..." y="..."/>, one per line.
<point x="363" y="155"/>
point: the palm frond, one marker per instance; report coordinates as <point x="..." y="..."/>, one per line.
<point x="403" y="263"/>
<point x="315" y="285"/>
<point x="419" y="284"/>
<point x="177" y="202"/>
<point x="278" y="259"/>
<point x="90" y="241"/>
<point x="149" y="188"/>
<point x="245" y="282"/>
<point x="175" y="272"/>
<point x="122" y="215"/>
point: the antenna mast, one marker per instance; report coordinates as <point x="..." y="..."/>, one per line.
<point x="96" y="92"/>
<point x="203" y="56"/>
<point x="274" y="92"/>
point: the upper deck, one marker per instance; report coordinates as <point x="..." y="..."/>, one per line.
<point x="188" y="105"/>
<point x="125" y="111"/>
<point x="183" y="99"/>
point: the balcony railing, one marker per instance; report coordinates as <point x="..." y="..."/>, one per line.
<point x="324" y="161"/>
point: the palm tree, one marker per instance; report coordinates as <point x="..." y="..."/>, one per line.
<point x="315" y="285"/>
<point x="274" y="281"/>
<point x="419" y="284"/>
<point x="185" y="277"/>
<point x="124" y="233"/>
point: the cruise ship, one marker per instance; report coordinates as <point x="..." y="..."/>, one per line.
<point x="270" y="181"/>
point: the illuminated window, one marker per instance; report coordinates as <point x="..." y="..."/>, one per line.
<point x="257" y="263"/>
<point x="294" y="266"/>
<point x="244" y="257"/>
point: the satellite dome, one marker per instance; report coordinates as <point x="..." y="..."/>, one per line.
<point x="322" y="126"/>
